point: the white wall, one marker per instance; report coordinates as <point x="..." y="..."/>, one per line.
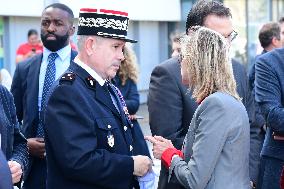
<point x="146" y="10"/>
<point x="21" y="7"/>
<point x="148" y="53"/>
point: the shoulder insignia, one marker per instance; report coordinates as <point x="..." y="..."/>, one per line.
<point x="67" y="78"/>
<point x="91" y="82"/>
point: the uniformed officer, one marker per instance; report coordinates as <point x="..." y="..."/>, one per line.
<point x="89" y="138"/>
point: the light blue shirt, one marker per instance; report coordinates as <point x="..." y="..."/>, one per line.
<point x="147" y="181"/>
<point x="62" y="62"/>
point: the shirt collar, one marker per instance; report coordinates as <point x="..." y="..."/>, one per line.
<point x="62" y="53"/>
<point x="92" y="72"/>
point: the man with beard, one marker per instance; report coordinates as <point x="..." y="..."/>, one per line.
<point x="32" y="81"/>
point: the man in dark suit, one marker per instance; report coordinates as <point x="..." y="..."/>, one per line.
<point x="269" y="38"/>
<point x="89" y="136"/>
<point x="32" y="81"/>
<point x="269" y="94"/>
<point x="170" y="105"/>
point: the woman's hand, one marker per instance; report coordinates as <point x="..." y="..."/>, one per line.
<point x="160" y="144"/>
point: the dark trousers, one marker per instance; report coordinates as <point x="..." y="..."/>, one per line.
<point x="269" y="173"/>
<point x="163" y="180"/>
<point x="37" y="175"/>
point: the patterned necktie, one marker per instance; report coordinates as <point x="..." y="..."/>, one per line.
<point x="113" y="96"/>
<point x="48" y="81"/>
<point x="120" y="102"/>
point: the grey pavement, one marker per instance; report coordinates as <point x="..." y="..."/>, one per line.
<point x="144" y="123"/>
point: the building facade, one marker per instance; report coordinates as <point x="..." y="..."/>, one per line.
<point x="151" y="24"/>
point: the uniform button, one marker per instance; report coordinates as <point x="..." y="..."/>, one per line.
<point x="131" y="125"/>
<point x="108" y="126"/>
<point x="125" y="128"/>
<point x="130" y="148"/>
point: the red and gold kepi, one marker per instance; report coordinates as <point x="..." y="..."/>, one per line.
<point x="104" y="23"/>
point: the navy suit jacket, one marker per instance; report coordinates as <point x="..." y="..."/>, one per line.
<point x="269" y="94"/>
<point x="13" y="143"/>
<point x="5" y="175"/>
<point x="25" y="91"/>
<point x="81" y="123"/>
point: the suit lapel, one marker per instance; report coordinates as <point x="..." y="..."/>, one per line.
<point x="103" y="96"/>
<point x="32" y="85"/>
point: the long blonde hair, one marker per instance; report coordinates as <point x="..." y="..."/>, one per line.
<point x="206" y="60"/>
<point x="128" y="68"/>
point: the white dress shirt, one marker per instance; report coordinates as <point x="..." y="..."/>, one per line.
<point x="92" y="72"/>
<point x="97" y="77"/>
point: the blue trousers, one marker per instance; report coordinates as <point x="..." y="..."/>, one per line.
<point x="269" y="173"/>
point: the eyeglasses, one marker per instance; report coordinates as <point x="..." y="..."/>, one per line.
<point x="232" y="35"/>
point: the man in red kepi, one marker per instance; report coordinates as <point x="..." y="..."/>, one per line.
<point x="89" y="137"/>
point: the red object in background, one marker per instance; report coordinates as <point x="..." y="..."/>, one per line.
<point x="26" y="48"/>
<point x="168" y="154"/>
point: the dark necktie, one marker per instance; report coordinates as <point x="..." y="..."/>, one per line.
<point x="48" y="81"/>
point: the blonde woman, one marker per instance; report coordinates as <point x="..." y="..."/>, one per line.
<point x="216" y="148"/>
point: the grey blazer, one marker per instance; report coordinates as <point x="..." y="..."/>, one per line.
<point x="216" y="147"/>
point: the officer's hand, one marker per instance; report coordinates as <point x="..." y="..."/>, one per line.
<point x="16" y="171"/>
<point x="142" y="164"/>
<point x="36" y="147"/>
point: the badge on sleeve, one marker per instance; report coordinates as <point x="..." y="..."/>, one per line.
<point x="110" y="139"/>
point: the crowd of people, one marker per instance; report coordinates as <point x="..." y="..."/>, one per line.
<point x="70" y="119"/>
